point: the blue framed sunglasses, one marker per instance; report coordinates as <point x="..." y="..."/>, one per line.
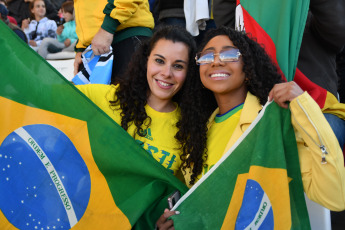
<point x="231" y="54"/>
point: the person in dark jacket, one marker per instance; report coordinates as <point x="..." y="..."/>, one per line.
<point x="14" y="28"/>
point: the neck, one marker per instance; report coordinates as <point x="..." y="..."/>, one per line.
<point x="165" y="106"/>
<point x="37" y="18"/>
<point x="227" y="102"/>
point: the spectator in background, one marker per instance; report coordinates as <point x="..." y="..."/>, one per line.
<point x="170" y="12"/>
<point x="88" y="18"/>
<point x="66" y="35"/>
<point x="11" y="19"/>
<point x="126" y="24"/>
<point x="56" y="4"/>
<point x="20" y="10"/>
<point x="341" y="73"/>
<point x="39" y="28"/>
<point x="14" y="28"/>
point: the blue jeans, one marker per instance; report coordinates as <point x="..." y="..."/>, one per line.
<point x="338" y="126"/>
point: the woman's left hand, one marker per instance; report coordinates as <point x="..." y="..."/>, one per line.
<point x="163" y="223"/>
<point x="67" y="42"/>
<point x="285" y="92"/>
<point x="32" y="43"/>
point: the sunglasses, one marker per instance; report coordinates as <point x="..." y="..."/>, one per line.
<point x="230" y="54"/>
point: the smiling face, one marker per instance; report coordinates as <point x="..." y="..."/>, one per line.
<point x="224" y="79"/>
<point x="39" y="10"/>
<point x="166" y="72"/>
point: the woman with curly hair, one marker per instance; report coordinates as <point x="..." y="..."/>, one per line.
<point x="242" y="77"/>
<point x="147" y="101"/>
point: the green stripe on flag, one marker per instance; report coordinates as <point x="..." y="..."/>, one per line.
<point x="284" y="22"/>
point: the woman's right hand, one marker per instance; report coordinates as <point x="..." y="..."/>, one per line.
<point x="163" y="224"/>
<point x="25" y="23"/>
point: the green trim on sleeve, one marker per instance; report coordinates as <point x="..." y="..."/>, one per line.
<point x="110" y="24"/>
<point x="109" y="7"/>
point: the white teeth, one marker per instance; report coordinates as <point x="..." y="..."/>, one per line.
<point x="163" y="83"/>
<point x="219" y="75"/>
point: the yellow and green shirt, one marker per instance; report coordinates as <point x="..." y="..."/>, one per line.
<point x="218" y="137"/>
<point x="160" y="139"/>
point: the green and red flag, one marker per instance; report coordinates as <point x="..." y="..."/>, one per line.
<point x="279" y="27"/>
<point x="64" y="164"/>
<point x="257" y="183"/>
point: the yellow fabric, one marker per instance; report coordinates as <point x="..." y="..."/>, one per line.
<point x="217" y="137"/>
<point x="101" y="212"/>
<point x="159" y="140"/>
<point x="323" y="183"/>
<point x="333" y="106"/>
<point x="89" y="18"/>
<point x="132" y="14"/>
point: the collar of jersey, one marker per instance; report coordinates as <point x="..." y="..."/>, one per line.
<point x="220" y="118"/>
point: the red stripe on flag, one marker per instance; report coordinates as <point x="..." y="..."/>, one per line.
<point x="318" y="93"/>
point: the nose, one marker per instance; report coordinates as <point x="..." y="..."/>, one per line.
<point x="216" y="60"/>
<point x="166" y="71"/>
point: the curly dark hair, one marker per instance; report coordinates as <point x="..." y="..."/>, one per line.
<point x="262" y="75"/>
<point x="133" y="91"/>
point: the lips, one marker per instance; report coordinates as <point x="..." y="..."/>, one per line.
<point x="219" y="76"/>
<point x="163" y="84"/>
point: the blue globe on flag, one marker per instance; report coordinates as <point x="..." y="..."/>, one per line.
<point x="256" y="209"/>
<point x="44" y="182"/>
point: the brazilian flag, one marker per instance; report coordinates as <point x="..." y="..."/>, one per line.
<point x="257" y="184"/>
<point x="64" y="164"/>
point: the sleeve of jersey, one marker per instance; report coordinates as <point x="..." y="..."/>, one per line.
<point x="323" y="183"/>
<point x="117" y="13"/>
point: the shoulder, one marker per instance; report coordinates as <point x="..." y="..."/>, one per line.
<point x="69" y="24"/>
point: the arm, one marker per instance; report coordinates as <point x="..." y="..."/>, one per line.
<point x="116" y="13"/>
<point x="88" y="18"/>
<point x="323" y="183"/>
<point x="51" y="29"/>
<point x="77" y="62"/>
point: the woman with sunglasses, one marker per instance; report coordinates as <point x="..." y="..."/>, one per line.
<point x="148" y="103"/>
<point x="241" y="77"/>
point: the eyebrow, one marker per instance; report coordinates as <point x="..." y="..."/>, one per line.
<point x="165" y="58"/>
<point x="224" y="47"/>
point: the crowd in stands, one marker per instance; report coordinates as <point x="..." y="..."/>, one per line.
<point x="46" y="26"/>
<point x="50" y="26"/>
